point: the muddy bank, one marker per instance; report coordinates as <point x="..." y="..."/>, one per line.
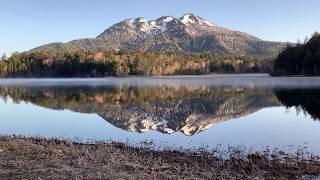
<point x="32" y="158"/>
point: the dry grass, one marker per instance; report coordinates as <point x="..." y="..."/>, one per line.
<point x="32" y="158"/>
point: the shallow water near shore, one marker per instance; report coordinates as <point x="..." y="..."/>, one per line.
<point x="185" y="111"/>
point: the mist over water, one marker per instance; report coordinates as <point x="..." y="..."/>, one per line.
<point x="260" y="80"/>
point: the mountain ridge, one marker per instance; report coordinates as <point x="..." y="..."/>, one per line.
<point x="189" y="33"/>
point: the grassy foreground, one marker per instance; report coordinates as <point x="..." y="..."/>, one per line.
<point x="31" y="158"/>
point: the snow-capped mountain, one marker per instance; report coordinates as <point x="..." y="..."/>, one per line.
<point x="190" y="33"/>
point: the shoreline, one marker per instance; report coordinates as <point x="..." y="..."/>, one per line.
<point x="146" y="76"/>
<point x="22" y="157"/>
<point x="256" y="74"/>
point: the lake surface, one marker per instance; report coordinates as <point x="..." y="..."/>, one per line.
<point x="185" y="111"/>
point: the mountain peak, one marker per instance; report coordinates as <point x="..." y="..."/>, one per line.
<point x="192" y="19"/>
<point x="140" y="19"/>
<point x="188" y="15"/>
<point x="189" y="19"/>
<point x="165" y="19"/>
<point x="135" y="20"/>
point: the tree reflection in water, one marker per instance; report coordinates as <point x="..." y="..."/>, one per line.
<point x="307" y="100"/>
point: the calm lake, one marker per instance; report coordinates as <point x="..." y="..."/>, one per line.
<point x="186" y="111"/>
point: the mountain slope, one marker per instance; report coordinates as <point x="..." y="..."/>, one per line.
<point x="189" y="33"/>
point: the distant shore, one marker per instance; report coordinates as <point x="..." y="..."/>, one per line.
<point x="33" y="158"/>
<point x="153" y="76"/>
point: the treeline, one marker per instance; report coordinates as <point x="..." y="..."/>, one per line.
<point x="116" y="63"/>
<point x="303" y="59"/>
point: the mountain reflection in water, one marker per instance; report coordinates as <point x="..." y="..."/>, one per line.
<point x="167" y="109"/>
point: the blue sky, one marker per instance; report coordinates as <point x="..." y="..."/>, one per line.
<point x="29" y="23"/>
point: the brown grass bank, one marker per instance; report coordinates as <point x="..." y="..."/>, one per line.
<point x="33" y="158"/>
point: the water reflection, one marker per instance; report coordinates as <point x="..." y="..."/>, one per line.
<point x="189" y="110"/>
<point x="306" y="100"/>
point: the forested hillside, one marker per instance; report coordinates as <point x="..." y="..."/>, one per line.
<point x="116" y="63"/>
<point x="303" y="59"/>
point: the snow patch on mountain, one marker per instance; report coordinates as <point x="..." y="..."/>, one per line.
<point x="186" y="19"/>
<point x="167" y="19"/>
<point x="192" y="19"/>
<point x="150" y="27"/>
<point x="208" y="23"/>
